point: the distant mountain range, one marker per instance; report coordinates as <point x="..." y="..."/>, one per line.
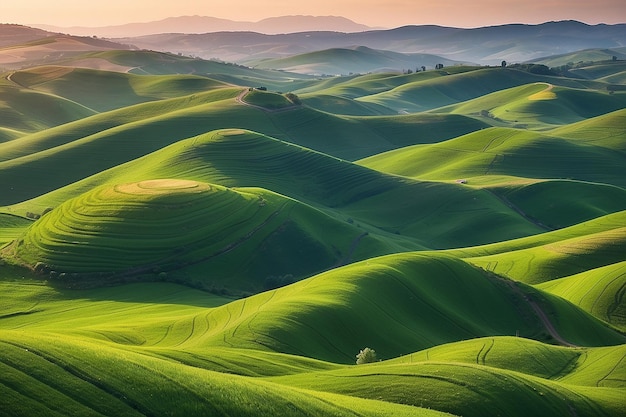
<point x="206" y="24"/>
<point x="484" y="45"/>
<point x="333" y="52"/>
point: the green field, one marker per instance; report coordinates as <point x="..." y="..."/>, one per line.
<point x="183" y="237"/>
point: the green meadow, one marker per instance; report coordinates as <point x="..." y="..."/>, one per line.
<point x="184" y="237"/>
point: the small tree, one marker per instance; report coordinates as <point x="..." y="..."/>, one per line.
<point x="366" y="355"/>
<point x="503" y="64"/>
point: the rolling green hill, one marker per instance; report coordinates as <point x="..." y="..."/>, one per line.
<point x="176" y="229"/>
<point x="24" y="111"/>
<point x="505" y="152"/>
<point x="188" y="237"/>
<point x="539" y="105"/>
<point x="182" y="337"/>
<point x="359" y="59"/>
<point x="598" y="291"/>
<point x="432" y="214"/>
<point x="449" y="89"/>
<point x="486" y="377"/>
<point x="109" y="90"/>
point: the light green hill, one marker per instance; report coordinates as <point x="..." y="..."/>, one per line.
<point x="606" y="130"/>
<point x="539" y="105"/>
<point x="7" y="135"/>
<point x="250" y="239"/>
<point x="160" y="63"/>
<point x="64" y="135"/>
<point x="604" y="224"/>
<point x="108" y="90"/>
<point x="559" y="259"/>
<point x="396" y="304"/>
<point x="51" y="376"/>
<point x="508" y="152"/>
<point x="431" y="215"/>
<point x="495" y="376"/>
<point x="340" y="105"/>
<point x="146" y="127"/>
<point x="451" y="89"/>
<point x="598" y="291"/>
<point x="180" y="337"/>
<point x="606" y="71"/>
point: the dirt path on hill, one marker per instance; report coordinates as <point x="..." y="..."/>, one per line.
<point x="519" y="211"/>
<point x="11" y="80"/>
<point x="346" y="259"/>
<point x="540" y="313"/>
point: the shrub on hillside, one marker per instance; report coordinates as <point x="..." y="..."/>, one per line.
<point x="366" y="355"/>
<point x="293" y="98"/>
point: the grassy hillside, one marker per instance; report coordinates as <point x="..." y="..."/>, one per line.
<point x="108" y="90"/>
<point x="144" y="128"/>
<point x="24" y="111"/>
<point x="606" y="131"/>
<point x="359" y="59"/>
<point x="432" y="215"/>
<point x="512" y="376"/>
<point x="449" y="89"/>
<point x="539" y="105"/>
<point x="560" y="259"/>
<point x="186" y="237"/>
<point x="45" y="376"/>
<point x="177" y="229"/>
<point x="598" y="291"/>
<point x="508" y="152"/>
<point x="186" y="343"/>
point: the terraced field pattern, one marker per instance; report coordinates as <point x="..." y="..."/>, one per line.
<point x="177" y="241"/>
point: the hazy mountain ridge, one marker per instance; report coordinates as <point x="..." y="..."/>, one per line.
<point x="205" y="24"/>
<point x="485" y="45"/>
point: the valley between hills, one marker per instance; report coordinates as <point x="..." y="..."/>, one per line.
<point x="182" y="236"/>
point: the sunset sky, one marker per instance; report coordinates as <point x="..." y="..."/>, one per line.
<point x="380" y="13"/>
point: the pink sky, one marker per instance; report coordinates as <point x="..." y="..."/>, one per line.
<point x="381" y="13"/>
